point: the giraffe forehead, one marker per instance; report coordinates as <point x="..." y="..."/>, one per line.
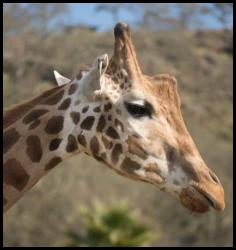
<point x="116" y="82"/>
<point x="160" y="90"/>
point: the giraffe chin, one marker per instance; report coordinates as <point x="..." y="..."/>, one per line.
<point x="193" y="201"/>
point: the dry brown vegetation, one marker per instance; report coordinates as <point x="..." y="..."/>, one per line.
<point x="202" y="63"/>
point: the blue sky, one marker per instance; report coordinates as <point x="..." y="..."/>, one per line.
<point x="84" y="13"/>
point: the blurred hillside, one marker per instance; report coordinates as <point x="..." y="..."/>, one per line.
<point x="202" y="62"/>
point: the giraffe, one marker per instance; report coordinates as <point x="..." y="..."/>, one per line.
<point x="116" y="114"/>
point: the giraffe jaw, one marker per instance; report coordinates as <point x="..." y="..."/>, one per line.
<point x="197" y="200"/>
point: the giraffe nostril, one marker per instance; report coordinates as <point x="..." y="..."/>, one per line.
<point x="214" y="177"/>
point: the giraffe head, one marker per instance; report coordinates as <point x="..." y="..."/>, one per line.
<point x="137" y="129"/>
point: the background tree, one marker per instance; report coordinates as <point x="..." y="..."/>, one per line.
<point x="27" y="25"/>
<point x="169" y="16"/>
<point x="188" y="14"/>
<point x="223" y="12"/>
<point x="112" y="8"/>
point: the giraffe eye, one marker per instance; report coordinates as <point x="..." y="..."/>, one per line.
<point x="139" y="110"/>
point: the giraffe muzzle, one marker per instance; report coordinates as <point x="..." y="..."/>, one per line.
<point x="213" y="193"/>
<point x="200" y="196"/>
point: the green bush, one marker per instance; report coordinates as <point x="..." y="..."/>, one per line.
<point x="111" y="226"/>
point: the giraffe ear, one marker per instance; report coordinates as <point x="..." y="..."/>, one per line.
<point x="61" y="80"/>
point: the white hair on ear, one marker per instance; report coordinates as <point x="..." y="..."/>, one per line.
<point x="61" y="80"/>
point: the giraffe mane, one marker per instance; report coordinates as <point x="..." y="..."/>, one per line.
<point x="14" y="113"/>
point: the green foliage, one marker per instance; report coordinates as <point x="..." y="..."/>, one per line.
<point x="110" y="226"/>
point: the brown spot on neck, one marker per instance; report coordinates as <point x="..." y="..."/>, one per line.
<point x="101" y="123"/>
<point x="54" y="144"/>
<point x="71" y="144"/>
<point x="53" y="162"/>
<point x="34" y="149"/>
<point x="107" y="106"/>
<point x="87" y="123"/>
<point x="81" y="139"/>
<point x="65" y="104"/>
<point x="54" y="125"/>
<point x="85" y="109"/>
<point x="111" y="132"/>
<point x="10" y="137"/>
<point x="75" y="116"/>
<point x="14" y="174"/>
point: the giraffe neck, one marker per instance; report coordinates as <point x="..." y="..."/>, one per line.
<point x="38" y="135"/>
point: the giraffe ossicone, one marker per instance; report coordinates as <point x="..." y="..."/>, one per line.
<point x="116" y="114"/>
<point x="60" y="79"/>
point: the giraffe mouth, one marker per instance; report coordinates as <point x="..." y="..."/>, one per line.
<point x="195" y="200"/>
<point x="208" y="198"/>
